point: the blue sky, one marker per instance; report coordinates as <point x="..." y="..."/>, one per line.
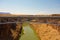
<point x="30" y="6"/>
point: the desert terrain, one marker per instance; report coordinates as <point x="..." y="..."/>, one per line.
<point x="43" y="30"/>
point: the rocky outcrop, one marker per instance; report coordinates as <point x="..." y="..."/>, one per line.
<point x="10" y="31"/>
<point x="47" y="31"/>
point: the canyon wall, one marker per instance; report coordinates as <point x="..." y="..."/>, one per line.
<point x="47" y="31"/>
<point x="10" y="31"/>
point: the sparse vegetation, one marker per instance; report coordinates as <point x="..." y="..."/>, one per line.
<point x="43" y="30"/>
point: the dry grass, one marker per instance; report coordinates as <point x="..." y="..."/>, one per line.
<point x="46" y="31"/>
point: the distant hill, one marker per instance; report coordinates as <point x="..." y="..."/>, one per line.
<point x="8" y="14"/>
<point x="55" y="15"/>
<point x="5" y="14"/>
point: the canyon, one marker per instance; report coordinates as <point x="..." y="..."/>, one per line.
<point x="46" y="27"/>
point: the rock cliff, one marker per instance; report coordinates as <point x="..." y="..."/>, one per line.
<point x="10" y="31"/>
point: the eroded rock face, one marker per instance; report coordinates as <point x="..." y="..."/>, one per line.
<point x="16" y="31"/>
<point x="4" y="32"/>
<point x="47" y="31"/>
<point x="10" y="31"/>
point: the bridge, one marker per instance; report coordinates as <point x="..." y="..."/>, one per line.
<point x="30" y="18"/>
<point x="27" y="18"/>
<point x="10" y="25"/>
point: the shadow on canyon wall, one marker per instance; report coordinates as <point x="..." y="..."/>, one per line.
<point x="10" y="31"/>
